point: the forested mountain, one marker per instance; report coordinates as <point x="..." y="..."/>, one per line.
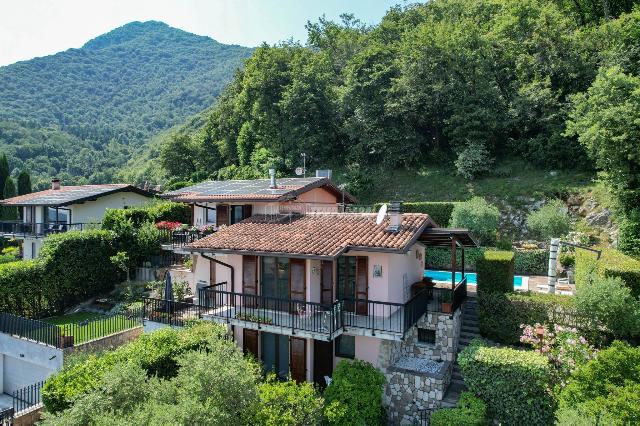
<point x="83" y="112"/>
<point x="462" y="83"/>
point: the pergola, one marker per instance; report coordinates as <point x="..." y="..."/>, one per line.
<point x="449" y="237"/>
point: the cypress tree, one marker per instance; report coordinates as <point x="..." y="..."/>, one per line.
<point x="4" y="172"/>
<point x="9" y="212"/>
<point x="24" y="183"/>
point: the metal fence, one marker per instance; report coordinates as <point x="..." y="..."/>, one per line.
<point x="20" y="228"/>
<point x="30" y="329"/>
<point x="27" y="397"/>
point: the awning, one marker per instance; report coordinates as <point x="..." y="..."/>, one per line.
<point x="442" y="237"/>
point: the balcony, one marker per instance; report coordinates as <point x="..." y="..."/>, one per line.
<point x="384" y="320"/>
<point x="16" y="228"/>
<point x="176" y="239"/>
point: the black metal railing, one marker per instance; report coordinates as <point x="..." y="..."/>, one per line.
<point x="177" y="238"/>
<point x="459" y="293"/>
<point x="101" y="326"/>
<point x="26" y="328"/>
<point x="170" y="312"/>
<point x="415" y="308"/>
<point x="373" y="315"/>
<point x="24" y="229"/>
<point x="286" y="313"/>
<point x="27" y="397"/>
<point x="424" y="417"/>
<point x="6" y="416"/>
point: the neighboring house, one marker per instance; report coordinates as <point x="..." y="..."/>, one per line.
<point x="227" y="202"/>
<point x="64" y="208"/>
<point x="303" y="291"/>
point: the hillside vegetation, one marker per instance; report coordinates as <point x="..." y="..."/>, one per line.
<point x="82" y="113"/>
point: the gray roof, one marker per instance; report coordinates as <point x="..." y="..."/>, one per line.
<point x="253" y="190"/>
<point x="67" y="195"/>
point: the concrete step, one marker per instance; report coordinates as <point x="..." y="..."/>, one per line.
<point x="453" y="395"/>
<point x="473" y="329"/>
<point x="468" y="335"/>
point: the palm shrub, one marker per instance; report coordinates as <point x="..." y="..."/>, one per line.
<point x="550" y="221"/>
<point x="354" y="396"/>
<point x="479" y="217"/>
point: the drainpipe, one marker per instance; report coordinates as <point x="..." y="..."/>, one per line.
<point x="553" y="257"/>
<point x="233" y="286"/>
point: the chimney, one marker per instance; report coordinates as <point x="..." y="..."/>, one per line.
<point x="272" y="175"/>
<point x="55" y="184"/>
<point x="395" y="216"/>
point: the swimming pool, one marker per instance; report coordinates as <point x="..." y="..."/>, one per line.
<point x="519" y="282"/>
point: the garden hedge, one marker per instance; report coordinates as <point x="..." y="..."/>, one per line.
<point x="513" y="383"/>
<point x="527" y="262"/>
<point x="501" y="314"/>
<point x="155" y="352"/>
<point x="495" y="271"/>
<point x="71" y="267"/>
<point x="154" y="212"/>
<point x="612" y="263"/>
<point x="470" y="411"/>
<point x="440" y="211"/>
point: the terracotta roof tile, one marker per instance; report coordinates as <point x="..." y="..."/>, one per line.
<point x="315" y="234"/>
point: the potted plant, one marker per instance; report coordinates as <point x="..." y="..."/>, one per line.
<point x="446" y="303"/>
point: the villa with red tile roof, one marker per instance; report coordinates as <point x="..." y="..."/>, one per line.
<point x="63" y="208"/>
<point x="302" y="290"/>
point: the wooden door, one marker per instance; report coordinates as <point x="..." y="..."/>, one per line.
<point x="250" y="342"/>
<point x="222" y="215"/>
<point x="322" y="362"/>
<point x="297" y="282"/>
<point x="326" y="282"/>
<point x="298" y="359"/>
<point x="250" y="280"/>
<point x="362" y="284"/>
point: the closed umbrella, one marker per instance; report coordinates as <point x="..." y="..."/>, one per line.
<point x="168" y="291"/>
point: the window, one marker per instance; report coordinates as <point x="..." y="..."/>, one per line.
<point x="236" y="214"/>
<point x="346" y="346"/>
<point x="211" y="215"/>
<point x="275" y="354"/>
<point x="58" y="215"/>
<point x="426" y="336"/>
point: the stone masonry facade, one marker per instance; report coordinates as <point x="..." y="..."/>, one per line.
<point x="410" y="390"/>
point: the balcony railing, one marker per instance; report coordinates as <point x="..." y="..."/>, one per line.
<point x="178" y="238"/>
<point x="367" y="317"/>
<point x="24" y="229"/>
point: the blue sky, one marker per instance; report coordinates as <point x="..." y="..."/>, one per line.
<point x="30" y="28"/>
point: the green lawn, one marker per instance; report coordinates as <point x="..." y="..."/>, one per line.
<point x="86" y="326"/>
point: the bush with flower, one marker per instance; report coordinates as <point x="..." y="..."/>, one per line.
<point x="564" y="346"/>
<point x="169" y="226"/>
<point x="207" y="229"/>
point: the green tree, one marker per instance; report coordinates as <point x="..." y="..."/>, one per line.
<point x="479" y="217"/>
<point x="24" y="183"/>
<point x="9" y="213"/>
<point x="288" y="403"/>
<point x="4" y="172"/>
<point x="550" y="221"/>
<point x="606" y="120"/>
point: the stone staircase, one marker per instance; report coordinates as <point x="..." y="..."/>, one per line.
<point x="470" y="330"/>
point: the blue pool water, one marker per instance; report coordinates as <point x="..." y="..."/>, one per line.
<point x="471" y="277"/>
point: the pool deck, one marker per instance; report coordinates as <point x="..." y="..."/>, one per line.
<point x="529" y="283"/>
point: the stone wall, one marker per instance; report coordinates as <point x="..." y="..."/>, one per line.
<point x="409" y="390"/>
<point x="105" y="343"/>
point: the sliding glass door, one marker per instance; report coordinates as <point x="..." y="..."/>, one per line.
<point x="275" y="354"/>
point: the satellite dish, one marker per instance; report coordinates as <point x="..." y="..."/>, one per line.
<point x="299" y="171"/>
<point x="381" y="214"/>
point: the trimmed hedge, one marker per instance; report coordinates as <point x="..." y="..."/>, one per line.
<point x="155" y="212"/>
<point x="502" y="314"/>
<point x="71" y="267"/>
<point x="612" y="263"/>
<point x="527" y="262"/>
<point x="155" y="352"/>
<point x="440" y="211"/>
<point x="513" y="383"/>
<point x="495" y="272"/>
<point x="470" y="411"/>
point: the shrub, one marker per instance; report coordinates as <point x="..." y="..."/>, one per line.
<point x="495" y="272"/>
<point x="550" y="221"/>
<point x="621" y="407"/>
<point x="513" y="383"/>
<point x="629" y="234"/>
<point x="471" y="411"/>
<point x="612" y="263"/>
<point x="479" y="217"/>
<point x="567" y="260"/>
<point x="615" y="366"/>
<point x="23" y="290"/>
<point x="531" y="262"/>
<point x="153" y="212"/>
<point x="474" y="160"/>
<point x="502" y="314"/>
<point x="288" y="403"/>
<point x="354" y="396"/>
<point x="155" y="352"/>
<point x="611" y="304"/>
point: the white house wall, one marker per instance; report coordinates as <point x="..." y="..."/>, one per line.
<point x="93" y="211"/>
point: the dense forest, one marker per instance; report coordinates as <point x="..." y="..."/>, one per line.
<point x="463" y="83"/>
<point x="82" y="113"/>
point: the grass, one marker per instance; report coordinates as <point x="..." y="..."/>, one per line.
<point x="87" y="326"/>
<point x="511" y="181"/>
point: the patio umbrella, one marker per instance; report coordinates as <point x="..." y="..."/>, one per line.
<point x="168" y="291"/>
